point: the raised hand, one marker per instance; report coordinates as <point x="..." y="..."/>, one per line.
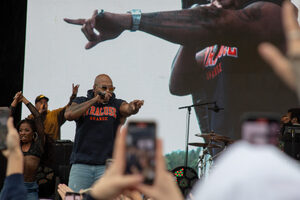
<point x="62" y="189"/>
<point x="17" y="99"/>
<point x="18" y="96"/>
<point x="286" y="66"/>
<point x="13" y="153"/>
<point x="75" y="89"/>
<point x="135" y="106"/>
<point x="164" y="186"/>
<point x="108" y="25"/>
<point x="12" y="139"/>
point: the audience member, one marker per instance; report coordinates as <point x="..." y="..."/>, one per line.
<point x="126" y="195"/>
<point x="62" y="189"/>
<point x="13" y="188"/>
<point x="244" y="171"/>
<point x="286" y="67"/>
<point x="97" y="118"/>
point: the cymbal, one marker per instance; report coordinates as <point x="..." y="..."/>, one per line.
<point x="198" y="144"/>
<point x="215" y="137"/>
<point x="228" y="142"/>
<point x="225" y="140"/>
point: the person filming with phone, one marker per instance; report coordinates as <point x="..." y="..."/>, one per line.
<point x="14" y="187"/>
<point x="97" y="118"/>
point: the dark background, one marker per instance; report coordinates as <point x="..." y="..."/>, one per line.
<point x="12" y="47"/>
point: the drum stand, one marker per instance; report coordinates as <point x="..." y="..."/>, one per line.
<point x="188" y="116"/>
<point x="215" y="156"/>
<point x="201" y="162"/>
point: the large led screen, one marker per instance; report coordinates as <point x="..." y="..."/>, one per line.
<point x="138" y="64"/>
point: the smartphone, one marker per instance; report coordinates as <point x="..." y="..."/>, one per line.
<point x="140" y="149"/>
<point x="72" y="196"/>
<point x="4" y="114"/>
<point x="261" y="128"/>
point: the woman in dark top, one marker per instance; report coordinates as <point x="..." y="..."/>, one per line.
<point x="32" y="142"/>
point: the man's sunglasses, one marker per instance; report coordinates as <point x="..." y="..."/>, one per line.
<point x="109" y="88"/>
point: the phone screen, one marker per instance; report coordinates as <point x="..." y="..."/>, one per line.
<point x="140" y="151"/>
<point x="72" y="196"/>
<point x="261" y="130"/>
<point x="4" y="114"/>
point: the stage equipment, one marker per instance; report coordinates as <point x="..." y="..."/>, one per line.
<point x="213" y="137"/>
<point x="186" y="177"/>
<point x="188" y="116"/>
<point x="216" y="108"/>
<point x="205" y="145"/>
<point x="212" y="140"/>
<point x="291" y="141"/>
<point x="56" y="168"/>
<point x="102" y="94"/>
<point x="185" y="171"/>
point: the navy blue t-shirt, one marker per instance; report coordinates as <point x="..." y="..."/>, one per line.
<point x="211" y="88"/>
<point x="96" y="131"/>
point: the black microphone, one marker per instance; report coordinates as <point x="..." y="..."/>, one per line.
<point x="216" y="108"/>
<point x="101" y="94"/>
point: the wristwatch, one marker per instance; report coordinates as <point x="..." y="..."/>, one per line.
<point x="136" y="18"/>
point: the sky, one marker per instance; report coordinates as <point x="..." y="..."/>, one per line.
<point x="139" y="64"/>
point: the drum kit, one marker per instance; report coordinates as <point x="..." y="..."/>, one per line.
<point x="212" y="141"/>
<point x="186" y="176"/>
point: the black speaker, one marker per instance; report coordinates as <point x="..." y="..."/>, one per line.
<point x="62" y="150"/>
<point x="61" y="153"/>
<point x="63" y="173"/>
<point x="46" y="181"/>
<point x="55" y="165"/>
<point x="291" y="141"/>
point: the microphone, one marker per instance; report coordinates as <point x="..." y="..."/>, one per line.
<point x="216" y="108"/>
<point x="101" y="94"/>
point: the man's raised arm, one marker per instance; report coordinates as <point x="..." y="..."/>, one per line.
<point x="75" y="111"/>
<point x="127" y="109"/>
<point x="200" y="26"/>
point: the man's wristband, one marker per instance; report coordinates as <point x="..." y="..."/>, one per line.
<point x="136" y="15"/>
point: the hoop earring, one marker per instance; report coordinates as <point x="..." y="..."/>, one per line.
<point x="35" y="135"/>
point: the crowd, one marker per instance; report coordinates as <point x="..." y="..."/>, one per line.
<point x="245" y="170"/>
